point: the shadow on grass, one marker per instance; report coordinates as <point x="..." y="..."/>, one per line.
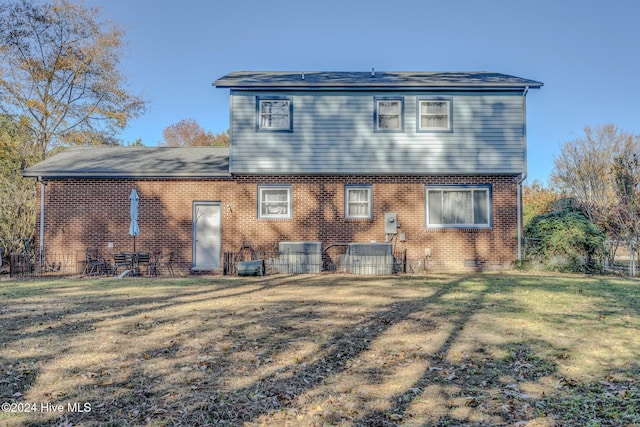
<point x="299" y="350"/>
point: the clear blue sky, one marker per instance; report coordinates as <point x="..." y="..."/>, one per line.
<point x="587" y="54"/>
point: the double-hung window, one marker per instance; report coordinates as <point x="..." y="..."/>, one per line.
<point x="458" y="206"/>
<point x="274" y="114"/>
<point x="357" y="202"/>
<point x="434" y="115"/>
<point x="389" y="114"/>
<point x="274" y="201"/>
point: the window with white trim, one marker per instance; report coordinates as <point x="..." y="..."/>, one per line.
<point x="274" y="201"/>
<point x="458" y="207"/>
<point x="357" y="201"/>
<point x="434" y="115"/>
<point x="389" y="114"/>
<point x="274" y="114"/>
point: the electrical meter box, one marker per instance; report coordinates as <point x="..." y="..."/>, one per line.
<point x="391" y="223"/>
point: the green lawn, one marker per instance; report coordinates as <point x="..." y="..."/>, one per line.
<point x="334" y="350"/>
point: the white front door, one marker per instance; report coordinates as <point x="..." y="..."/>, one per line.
<point x="206" y="235"/>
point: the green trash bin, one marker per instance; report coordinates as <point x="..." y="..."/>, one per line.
<point x="251" y="268"/>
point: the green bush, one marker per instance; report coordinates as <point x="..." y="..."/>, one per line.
<point x="567" y="242"/>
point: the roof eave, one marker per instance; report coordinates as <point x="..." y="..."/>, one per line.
<point x="102" y="175"/>
<point x="401" y="80"/>
<point x="388" y="88"/>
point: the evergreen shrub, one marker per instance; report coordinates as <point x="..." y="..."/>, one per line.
<point x="567" y="242"/>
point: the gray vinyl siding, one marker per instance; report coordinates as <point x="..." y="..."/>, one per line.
<point x="333" y="132"/>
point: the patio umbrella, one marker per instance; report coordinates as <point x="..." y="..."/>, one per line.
<point x="134" y="230"/>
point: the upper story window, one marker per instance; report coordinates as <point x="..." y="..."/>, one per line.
<point x="357" y="201"/>
<point x="274" y="114"/>
<point x="434" y="115"/>
<point x="274" y="201"/>
<point x="458" y="206"/>
<point x="389" y="114"/>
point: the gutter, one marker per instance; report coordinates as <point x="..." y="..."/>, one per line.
<point x="106" y="175"/>
<point x="381" y="87"/>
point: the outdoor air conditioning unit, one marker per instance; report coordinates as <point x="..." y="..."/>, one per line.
<point x="369" y="258"/>
<point x="300" y="257"/>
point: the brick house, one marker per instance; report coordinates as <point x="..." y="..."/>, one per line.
<point x="318" y="157"/>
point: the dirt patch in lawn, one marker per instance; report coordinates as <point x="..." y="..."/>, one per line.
<point x="482" y="350"/>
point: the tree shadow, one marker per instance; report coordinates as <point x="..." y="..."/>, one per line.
<point x="269" y="350"/>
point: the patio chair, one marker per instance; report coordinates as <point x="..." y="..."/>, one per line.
<point x="94" y="263"/>
<point x="154" y="264"/>
<point x="121" y="260"/>
<point x="167" y="261"/>
<point x="144" y="258"/>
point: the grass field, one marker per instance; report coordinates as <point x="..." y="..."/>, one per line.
<point x="326" y="350"/>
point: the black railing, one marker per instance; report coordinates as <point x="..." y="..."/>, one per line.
<point x="26" y="265"/>
<point x="332" y="260"/>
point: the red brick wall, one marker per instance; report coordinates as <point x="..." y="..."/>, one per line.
<point x="84" y="213"/>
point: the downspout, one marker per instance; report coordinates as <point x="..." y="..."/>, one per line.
<point x="41" y="240"/>
<point x="521" y="179"/>
<point x="523" y="175"/>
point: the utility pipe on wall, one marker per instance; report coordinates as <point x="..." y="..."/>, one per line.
<point x="41" y="246"/>
<point x="519" y="203"/>
<point x="523" y="175"/>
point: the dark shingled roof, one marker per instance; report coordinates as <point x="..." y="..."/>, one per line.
<point x="135" y="162"/>
<point x="374" y="80"/>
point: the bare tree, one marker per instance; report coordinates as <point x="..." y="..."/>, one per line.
<point x="188" y="133"/>
<point x="58" y="67"/>
<point x="626" y="176"/>
<point x="583" y="169"/>
<point x="601" y="171"/>
<point x="17" y="196"/>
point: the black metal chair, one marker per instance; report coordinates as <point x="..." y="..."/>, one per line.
<point x="94" y="263"/>
<point x="121" y="260"/>
<point x="167" y="261"/>
<point x="144" y="258"/>
<point x="154" y="264"/>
